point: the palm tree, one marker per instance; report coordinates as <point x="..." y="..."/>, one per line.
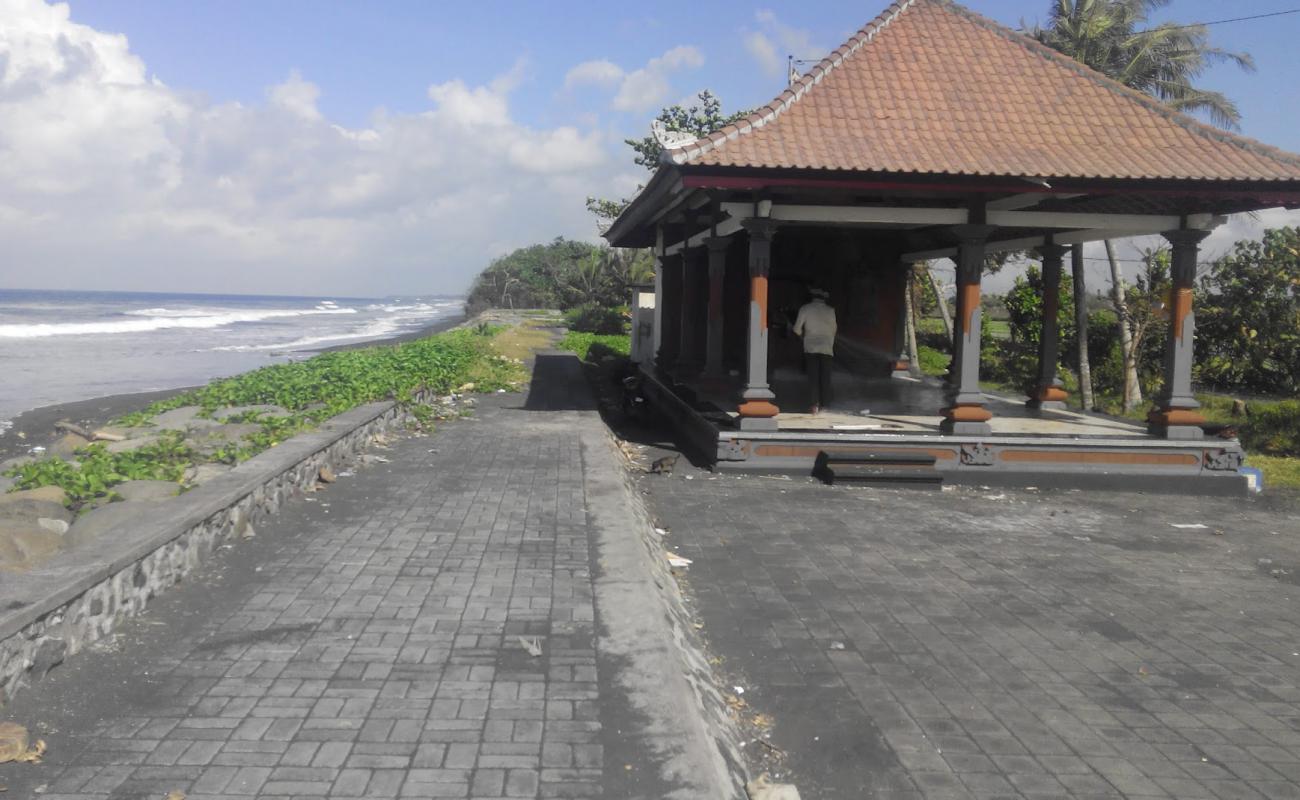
<point x="1115" y="38"/>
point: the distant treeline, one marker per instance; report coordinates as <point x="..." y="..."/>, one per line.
<point x="562" y="274"/>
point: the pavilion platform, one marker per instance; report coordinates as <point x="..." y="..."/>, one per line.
<point x="884" y="417"/>
<point x="931" y="133"/>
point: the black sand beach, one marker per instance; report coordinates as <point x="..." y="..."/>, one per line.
<point x="36" y="427"/>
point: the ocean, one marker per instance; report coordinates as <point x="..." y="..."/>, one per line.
<point x="58" y="347"/>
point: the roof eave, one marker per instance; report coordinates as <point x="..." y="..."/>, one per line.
<point x="630" y="229"/>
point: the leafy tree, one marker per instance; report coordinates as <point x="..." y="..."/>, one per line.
<point x="698" y="120"/>
<point x="563" y="274"/>
<point x="1017" y="360"/>
<point x="1249" y="315"/>
<point x="1115" y="38"/>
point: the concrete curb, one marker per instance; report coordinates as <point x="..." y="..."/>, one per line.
<point x="646" y="626"/>
<point x="79" y="597"/>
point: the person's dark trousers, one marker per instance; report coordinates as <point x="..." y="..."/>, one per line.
<point x="819" y="377"/>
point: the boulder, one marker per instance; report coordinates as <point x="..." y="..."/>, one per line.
<point x="24" y="545"/>
<point x="52" y="494"/>
<point x="205" y="472"/>
<point x="16" y="461"/>
<point x="68" y="426"/>
<point x="265" y="410"/>
<point x="67" y="445"/>
<point x="127" y="445"/>
<point x="147" y="491"/>
<point x="59" y="526"/>
<point x="33" y="504"/>
<point x="91" y="526"/>
<point x="116" y="433"/>
<point x="182" y="419"/>
<point x="206" y="441"/>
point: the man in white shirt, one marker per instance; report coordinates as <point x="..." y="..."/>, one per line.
<point x="816" y="324"/>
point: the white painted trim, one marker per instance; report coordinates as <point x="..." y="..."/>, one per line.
<point x="855" y="214"/>
<point x="1027" y="243"/>
<point x="1027" y="200"/>
<point x="1132" y="224"/>
<point x="686" y="202"/>
<point x="1137" y="223"/>
<point x="725" y="228"/>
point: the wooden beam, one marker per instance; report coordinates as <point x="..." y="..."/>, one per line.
<point x="725" y="227"/>
<point x="849" y="215"/>
<point x="1026" y="200"/>
<point x="1026" y="243"/>
<point x="685" y="201"/>
<point x="1137" y="223"/>
<point x="1132" y="224"/>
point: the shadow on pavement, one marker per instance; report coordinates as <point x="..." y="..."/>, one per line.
<point x="558" y="384"/>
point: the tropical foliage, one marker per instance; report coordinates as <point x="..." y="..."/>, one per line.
<point x="313" y="390"/>
<point x="563" y="274"/>
<point x="697" y="120"/>
<point x="1248" y="316"/>
<point x="1117" y="39"/>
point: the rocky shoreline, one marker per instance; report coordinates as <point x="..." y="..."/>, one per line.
<point x="38" y="524"/>
<point x="36" y="426"/>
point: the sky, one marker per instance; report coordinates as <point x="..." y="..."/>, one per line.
<point x="392" y="148"/>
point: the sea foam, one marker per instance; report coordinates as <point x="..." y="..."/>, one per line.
<point x="153" y="319"/>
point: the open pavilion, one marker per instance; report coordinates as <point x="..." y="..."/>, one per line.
<point x="932" y="133"/>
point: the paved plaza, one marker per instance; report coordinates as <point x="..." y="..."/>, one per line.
<point x="999" y="644"/>
<point x="367" y="643"/>
<point x="374" y="639"/>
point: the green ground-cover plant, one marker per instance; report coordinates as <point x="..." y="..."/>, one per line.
<point x="594" y="346"/>
<point x="97" y="470"/>
<point x="313" y="390"/>
<point x="592" y="318"/>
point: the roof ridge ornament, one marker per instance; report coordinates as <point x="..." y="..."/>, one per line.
<point x="667" y="138"/>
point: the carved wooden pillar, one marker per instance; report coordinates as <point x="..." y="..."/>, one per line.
<point x="966" y="413"/>
<point x="670" y="343"/>
<point x="900" y="365"/>
<point x="758" y="412"/>
<point x="1047" y="391"/>
<point x="691" y="358"/>
<point x="1175" y="415"/>
<point x="717" y="276"/>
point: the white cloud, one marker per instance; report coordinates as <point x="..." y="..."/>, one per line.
<point x="639" y="90"/>
<point x="774" y="40"/>
<point x="648" y="87"/>
<point x="764" y="52"/>
<point x="111" y="179"/>
<point x="296" y="96"/>
<point x="601" y="73"/>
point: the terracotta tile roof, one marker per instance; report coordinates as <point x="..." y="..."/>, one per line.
<point x="932" y="87"/>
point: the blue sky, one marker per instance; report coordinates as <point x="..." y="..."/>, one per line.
<point x="365" y="56"/>
<point x="386" y="148"/>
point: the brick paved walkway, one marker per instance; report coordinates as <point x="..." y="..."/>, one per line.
<point x="366" y="644"/>
<point x="1002" y="645"/>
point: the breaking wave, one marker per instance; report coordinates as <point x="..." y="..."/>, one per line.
<point x="153" y="319"/>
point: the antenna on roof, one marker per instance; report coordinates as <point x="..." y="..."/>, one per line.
<point x="792" y="73"/>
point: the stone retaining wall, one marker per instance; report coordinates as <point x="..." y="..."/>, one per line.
<point x="81" y="595"/>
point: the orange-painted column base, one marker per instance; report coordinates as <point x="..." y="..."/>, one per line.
<point x="758" y="408"/>
<point x="967" y="412"/>
<point x="1175" y="416"/>
<point x="1049" y="394"/>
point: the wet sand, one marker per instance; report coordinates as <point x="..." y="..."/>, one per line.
<point x="36" y="427"/>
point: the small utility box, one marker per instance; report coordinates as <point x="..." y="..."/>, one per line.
<point x="643" y="324"/>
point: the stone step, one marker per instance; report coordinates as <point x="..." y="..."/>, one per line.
<point x="877" y="468"/>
